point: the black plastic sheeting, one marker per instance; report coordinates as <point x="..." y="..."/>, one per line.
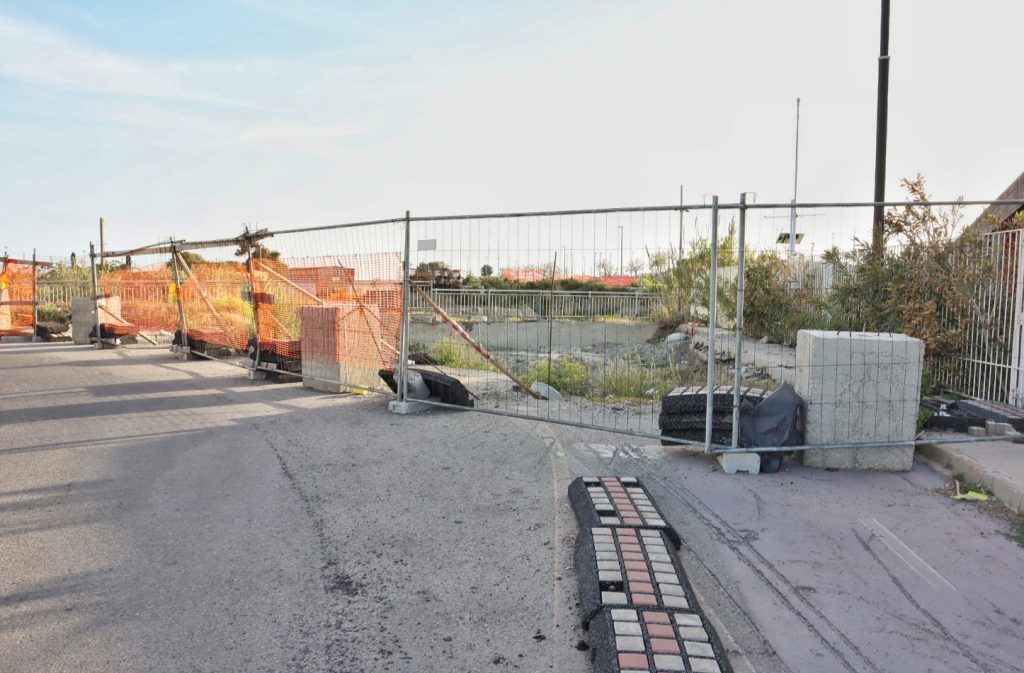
<point x="446" y="389"/>
<point x="778" y="420"/>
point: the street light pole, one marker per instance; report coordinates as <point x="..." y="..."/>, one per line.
<point x="881" y="130"/>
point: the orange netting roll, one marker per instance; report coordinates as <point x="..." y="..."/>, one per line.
<point x="17" y="299"/>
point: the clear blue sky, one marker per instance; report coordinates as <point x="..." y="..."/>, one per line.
<point x="194" y="117"/>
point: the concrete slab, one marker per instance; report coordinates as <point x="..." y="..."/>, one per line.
<point x="740" y="462"/>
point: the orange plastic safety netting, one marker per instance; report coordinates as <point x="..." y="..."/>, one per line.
<point x="341" y="310"/>
<point x="138" y="299"/>
<point x="17" y="299"/>
<point x="215" y="299"/>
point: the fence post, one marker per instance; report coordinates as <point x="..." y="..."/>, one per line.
<point x="252" y="300"/>
<point x="95" y="293"/>
<point x="182" y="325"/>
<point x="740" y="287"/>
<point x="35" y="297"/>
<point x="403" y="356"/>
<point x="709" y="414"/>
<point x="1016" y="362"/>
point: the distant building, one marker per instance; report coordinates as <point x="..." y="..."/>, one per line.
<point x="997" y="217"/>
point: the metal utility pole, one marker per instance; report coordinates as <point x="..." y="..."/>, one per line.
<point x="681" y="213"/>
<point x="679" y="253"/>
<point x="620" y="251"/>
<point x="96" y="296"/>
<point x="35" y="297"/>
<point x="796" y="173"/>
<point x="103" y="240"/>
<point x="881" y="129"/>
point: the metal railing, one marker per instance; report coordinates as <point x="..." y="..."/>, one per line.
<point x="495" y="305"/>
<point x="62" y="292"/>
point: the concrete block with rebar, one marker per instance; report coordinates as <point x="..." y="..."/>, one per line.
<point x="859" y="387"/>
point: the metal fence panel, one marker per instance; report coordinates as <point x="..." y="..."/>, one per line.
<point x="567" y="306"/>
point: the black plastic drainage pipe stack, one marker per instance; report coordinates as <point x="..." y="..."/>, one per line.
<point x="634" y="596"/>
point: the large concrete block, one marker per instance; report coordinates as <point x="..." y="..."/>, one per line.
<point x="341" y="347"/>
<point x="83" y="316"/>
<point x="859" y="387"/>
<point x="83" y="319"/>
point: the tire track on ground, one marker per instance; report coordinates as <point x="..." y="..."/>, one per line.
<point x="1005" y="667"/>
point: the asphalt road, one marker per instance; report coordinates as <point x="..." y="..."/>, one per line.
<point x="158" y="515"/>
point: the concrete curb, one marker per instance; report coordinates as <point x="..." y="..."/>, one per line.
<point x="950" y="459"/>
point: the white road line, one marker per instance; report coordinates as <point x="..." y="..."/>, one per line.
<point x="906" y="554"/>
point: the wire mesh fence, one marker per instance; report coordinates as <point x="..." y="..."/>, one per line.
<point x="17" y="297"/>
<point x="862" y="332"/>
<point x="558" y="316"/>
<point x="667" y="322"/>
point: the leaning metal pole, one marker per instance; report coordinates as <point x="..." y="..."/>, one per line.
<point x="253" y="301"/>
<point x="182" y="325"/>
<point x="712" y="318"/>
<point x="403" y="355"/>
<point x="740" y="288"/>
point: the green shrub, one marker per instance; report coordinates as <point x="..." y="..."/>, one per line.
<point x="630" y="379"/>
<point x="54" y="313"/>
<point x="771" y="306"/>
<point x="448" y="353"/>
<point x="569" y="376"/>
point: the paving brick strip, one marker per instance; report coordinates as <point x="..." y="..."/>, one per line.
<point x="615" y="501"/>
<point x="634" y="596"/>
<point x="626" y="566"/>
<point x="624" y="640"/>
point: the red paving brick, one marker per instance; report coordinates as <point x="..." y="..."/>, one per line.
<point x="641" y="587"/>
<point x="636" y="565"/>
<point x="632" y="660"/>
<point x="652" y="617"/>
<point x="664" y="646"/>
<point x="632" y="556"/>
<point x="660" y="631"/>
<point x="644" y="599"/>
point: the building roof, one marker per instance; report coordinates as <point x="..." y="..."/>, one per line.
<point x="995" y="216"/>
